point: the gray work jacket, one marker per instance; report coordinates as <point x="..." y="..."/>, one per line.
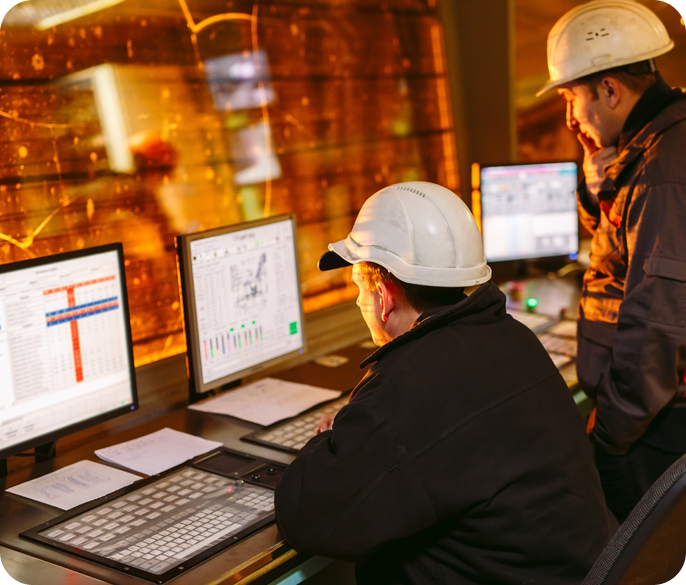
<point x="632" y="318"/>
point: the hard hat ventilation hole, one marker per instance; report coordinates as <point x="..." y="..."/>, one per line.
<point x="412" y="191"/>
<point x="601" y="33"/>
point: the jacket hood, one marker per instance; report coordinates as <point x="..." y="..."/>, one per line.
<point x="484" y="306"/>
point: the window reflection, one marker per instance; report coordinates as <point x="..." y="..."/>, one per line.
<point x="137" y="120"/>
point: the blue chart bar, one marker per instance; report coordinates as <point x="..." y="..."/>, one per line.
<point x="80" y="307"/>
<point x="82" y="316"/>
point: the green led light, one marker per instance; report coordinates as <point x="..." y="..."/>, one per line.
<point x="532" y="303"/>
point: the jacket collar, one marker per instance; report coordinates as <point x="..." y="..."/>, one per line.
<point x="485" y="305"/>
<point x="642" y="140"/>
<point x="654" y="99"/>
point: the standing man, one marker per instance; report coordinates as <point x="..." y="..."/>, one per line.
<point x="632" y="318"/>
<point x="461" y="457"/>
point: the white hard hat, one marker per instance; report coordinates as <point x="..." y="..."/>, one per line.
<point x="600" y="35"/>
<point x="421" y="232"/>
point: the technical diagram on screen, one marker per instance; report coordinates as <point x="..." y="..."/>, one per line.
<point x="241" y="296"/>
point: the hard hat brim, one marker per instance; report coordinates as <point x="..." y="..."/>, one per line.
<point x="550" y="84"/>
<point x="340" y="255"/>
<point x="330" y="261"/>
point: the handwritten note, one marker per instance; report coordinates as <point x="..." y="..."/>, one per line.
<point x="267" y="401"/>
<point x="157" y="452"/>
<point x="74" y="485"/>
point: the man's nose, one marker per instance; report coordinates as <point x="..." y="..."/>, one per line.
<point x="572" y="123"/>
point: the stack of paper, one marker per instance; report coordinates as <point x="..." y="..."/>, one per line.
<point x="267" y="401"/>
<point x="75" y="485"/>
<point x="157" y="452"/>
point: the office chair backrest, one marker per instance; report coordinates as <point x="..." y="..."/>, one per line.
<point x="650" y="546"/>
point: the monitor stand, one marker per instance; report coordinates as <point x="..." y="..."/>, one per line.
<point x="41" y="453"/>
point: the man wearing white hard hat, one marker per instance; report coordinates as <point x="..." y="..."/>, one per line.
<point x="632" y="318"/>
<point x="461" y="457"/>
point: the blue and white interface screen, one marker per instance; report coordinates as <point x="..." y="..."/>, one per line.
<point x="247" y="298"/>
<point x="64" y="353"/>
<point x="529" y="211"/>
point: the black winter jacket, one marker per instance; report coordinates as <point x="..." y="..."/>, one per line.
<point x="632" y="322"/>
<point x="460" y="459"/>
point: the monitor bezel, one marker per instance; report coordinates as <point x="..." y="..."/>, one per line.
<point x="89" y="422"/>
<point x="197" y="389"/>
<point x="551" y="258"/>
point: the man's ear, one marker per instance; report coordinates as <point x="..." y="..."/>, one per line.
<point x="387" y="294"/>
<point x="611" y="90"/>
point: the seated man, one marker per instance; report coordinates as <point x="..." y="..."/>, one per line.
<point x="461" y="457"/>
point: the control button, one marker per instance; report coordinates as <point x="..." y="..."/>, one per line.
<point x="256" y="477"/>
<point x="271" y="470"/>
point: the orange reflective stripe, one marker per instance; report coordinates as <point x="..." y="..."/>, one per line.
<point x="591" y="421"/>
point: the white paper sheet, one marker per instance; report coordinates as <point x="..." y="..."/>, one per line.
<point x="157" y="452"/>
<point x="75" y="485"/>
<point x="267" y="401"/>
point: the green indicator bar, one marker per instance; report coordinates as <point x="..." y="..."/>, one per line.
<point x="239" y="342"/>
<point x="294" y="328"/>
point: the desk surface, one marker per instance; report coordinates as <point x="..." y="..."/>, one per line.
<point x="36" y="564"/>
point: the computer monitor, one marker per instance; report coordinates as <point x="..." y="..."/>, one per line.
<point x="66" y="356"/>
<point x="241" y="299"/>
<point x="528" y="211"/>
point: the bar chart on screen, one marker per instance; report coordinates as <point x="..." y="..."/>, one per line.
<point x="75" y="314"/>
<point x="63" y="356"/>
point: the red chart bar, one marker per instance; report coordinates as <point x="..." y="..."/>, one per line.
<point x="71" y="302"/>
<point x="75" y="341"/>
<point x="76" y="346"/>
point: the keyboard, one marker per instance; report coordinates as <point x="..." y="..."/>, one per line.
<point x="164" y="527"/>
<point x="558" y="338"/>
<point x="533" y="321"/>
<point x="293" y="434"/>
<point x="558" y="345"/>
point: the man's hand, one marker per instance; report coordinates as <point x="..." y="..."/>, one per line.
<point x="325" y="424"/>
<point x="595" y="160"/>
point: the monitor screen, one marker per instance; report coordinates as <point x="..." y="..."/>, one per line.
<point x="529" y="211"/>
<point x="66" y="358"/>
<point x="241" y="295"/>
